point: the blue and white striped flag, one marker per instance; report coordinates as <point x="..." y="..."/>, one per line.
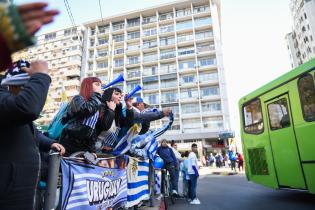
<point x="91" y="121"/>
<point x="138" y="181"/>
<point x="157" y="184"/>
<point x="88" y="187"/>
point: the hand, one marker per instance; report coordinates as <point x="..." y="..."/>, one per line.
<point x="111" y="105"/>
<point x="128" y="103"/>
<point x="59" y="148"/>
<point x="37" y="67"/>
<point x="35" y="16"/>
<point x="167" y="111"/>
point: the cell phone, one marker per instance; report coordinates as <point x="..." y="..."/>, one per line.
<point x="90" y="158"/>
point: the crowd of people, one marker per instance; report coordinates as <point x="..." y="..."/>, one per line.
<point x="228" y="160"/>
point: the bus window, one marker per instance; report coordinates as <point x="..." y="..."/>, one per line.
<point x="252" y="115"/>
<point x="307" y="96"/>
<point x="278" y="114"/>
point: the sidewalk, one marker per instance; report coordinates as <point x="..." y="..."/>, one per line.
<point x="219" y="171"/>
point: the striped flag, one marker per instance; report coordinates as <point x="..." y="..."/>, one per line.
<point x="157" y="184"/>
<point x="138" y="181"/>
<point x="91" y="121"/>
<point x="88" y="187"/>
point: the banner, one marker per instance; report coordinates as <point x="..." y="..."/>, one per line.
<point x="138" y="181"/>
<point x="88" y="187"/>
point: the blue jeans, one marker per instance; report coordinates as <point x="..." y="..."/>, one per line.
<point x="173" y="171"/>
<point x="176" y="179"/>
<point x="193" y="186"/>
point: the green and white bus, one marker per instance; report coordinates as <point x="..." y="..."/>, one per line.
<point x="278" y="131"/>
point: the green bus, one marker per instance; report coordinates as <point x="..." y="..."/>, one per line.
<point x="278" y="131"/>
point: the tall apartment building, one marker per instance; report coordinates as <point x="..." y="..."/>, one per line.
<point x="62" y="50"/>
<point x="301" y="41"/>
<point x="174" y="52"/>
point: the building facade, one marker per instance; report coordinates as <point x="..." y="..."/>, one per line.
<point x="174" y="52"/>
<point x="62" y="50"/>
<point x="301" y="41"/>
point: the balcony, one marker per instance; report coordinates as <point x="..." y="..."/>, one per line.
<point x="168" y="55"/>
<point x="72" y="82"/>
<point x="75" y="72"/>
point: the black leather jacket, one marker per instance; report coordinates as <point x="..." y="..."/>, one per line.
<point x="77" y="136"/>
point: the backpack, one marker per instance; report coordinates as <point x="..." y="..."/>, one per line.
<point x="56" y="127"/>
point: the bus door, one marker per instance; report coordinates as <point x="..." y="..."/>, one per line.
<point x="283" y="143"/>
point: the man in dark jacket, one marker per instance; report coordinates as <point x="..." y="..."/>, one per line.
<point x="170" y="163"/>
<point x="19" y="155"/>
<point x="145" y="116"/>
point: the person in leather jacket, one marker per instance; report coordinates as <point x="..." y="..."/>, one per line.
<point x="79" y="135"/>
<point x="113" y="124"/>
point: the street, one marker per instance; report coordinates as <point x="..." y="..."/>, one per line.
<point x="217" y="192"/>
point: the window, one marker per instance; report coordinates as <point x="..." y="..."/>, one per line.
<point x="169" y="83"/>
<point x="102" y="64"/>
<point x="183" y="65"/>
<point x="204" y="47"/>
<point x="118" y="25"/>
<point x="133" y="22"/>
<point x="133" y="35"/>
<point x="183" y="12"/>
<point x="210" y="91"/>
<point x="278" y="114"/>
<point x="132" y="85"/>
<point x="133" y="59"/>
<point x="307" y="96"/>
<point x="166" y="16"/>
<point x="119" y="62"/>
<point x="206" y="61"/>
<point x="103" y="29"/>
<point x="166" y="54"/>
<point x="184" y="37"/>
<point x="70" y="31"/>
<point x="92" y="31"/>
<point x="215" y="123"/>
<point x="150" y="85"/>
<point x="150" y="19"/>
<point x="167" y="68"/>
<point x="252" y="116"/>
<point x="184" y="25"/>
<point x="188" y="79"/>
<point x="191" y="124"/>
<point x="204" y="34"/>
<point x="209" y="76"/>
<point x="190" y="108"/>
<point x="150" y="32"/>
<point x="133" y="73"/>
<point x="119" y="37"/>
<point x="167" y="41"/>
<point x="102" y="53"/>
<point x="91" y="53"/>
<point x="149" y="44"/>
<point x="211" y="107"/>
<point x="132" y="47"/>
<point x="189" y="93"/>
<point x="92" y="42"/>
<point x="201" y="9"/>
<point x="119" y="51"/>
<point x="150" y="71"/>
<point x="90" y="66"/>
<point x="50" y="36"/>
<point x="203" y="21"/>
<point x="149" y="57"/>
<point x="165" y="29"/>
<point x="186" y="50"/>
<point x="169" y="97"/>
<point x="152" y="98"/>
<point x="102" y="41"/>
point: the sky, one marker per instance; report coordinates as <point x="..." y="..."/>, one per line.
<point x="253" y="37"/>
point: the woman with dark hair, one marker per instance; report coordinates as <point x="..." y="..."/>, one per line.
<point x="82" y="115"/>
<point x="113" y="123"/>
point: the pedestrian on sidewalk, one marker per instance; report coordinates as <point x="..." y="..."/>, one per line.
<point x="179" y="160"/>
<point x="211" y="159"/>
<point x="170" y="163"/>
<point x="184" y="171"/>
<point x="193" y="173"/>
<point x="240" y="160"/>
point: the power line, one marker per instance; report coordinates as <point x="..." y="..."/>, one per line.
<point x="99" y="3"/>
<point x="69" y="13"/>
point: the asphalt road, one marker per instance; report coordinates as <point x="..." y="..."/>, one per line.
<point x="235" y="193"/>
